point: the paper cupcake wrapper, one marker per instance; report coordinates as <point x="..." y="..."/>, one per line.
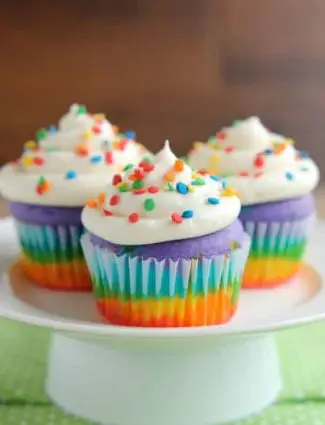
<point x="276" y="251"/>
<point x="52" y="256"/>
<point x="147" y="292"/>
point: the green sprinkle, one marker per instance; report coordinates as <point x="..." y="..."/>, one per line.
<point x="123" y="187"/>
<point x="82" y="110"/>
<point x="147" y="159"/>
<point x="235" y="123"/>
<point x="149" y="204"/>
<point x="211" y="140"/>
<point x="139" y="184"/>
<point x="41" y="180"/>
<point x="41" y="134"/>
<point x="198" y="182"/>
<point x="128" y="167"/>
<point x="170" y="186"/>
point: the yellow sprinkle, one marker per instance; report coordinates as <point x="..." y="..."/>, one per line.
<point x="213" y="171"/>
<point x="101" y="197"/>
<point x="197" y="145"/>
<point x="169" y="176"/>
<point x="99" y="117"/>
<point x="88" y="134"/>
<point x="30" y="144"/>
<point x="196" y="175"/>
<point x="290" y="141"/>
<point x="191" y="188"/>
<point x="229" y="191"/>
<point x="27" y="161"/>
<point x="214" y="158"/>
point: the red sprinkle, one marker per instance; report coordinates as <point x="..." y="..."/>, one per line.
<point x="244" y="174"/>
<point x="176" y="218"/>
<point x="122" y="144"/>
<point x="139" y="191"/>
<point x="40" y="190"/>
<point x="138" y="174"/>
<point x="107" y="213"/>
<point x="259" y="174"/>
<point x="96" y="130"/>
<point x="259" y="161"/>
<point x="134" y="217"/>
<point x="38" y="160"/>
<point x="116" y="179"/>
<point x="222" y="135"/>
<point x="115" y="199"/>
<point x="229" y="149"/>
<point x="153" y="189"/>
<point x="109" y="157"/>
<point x="147" y="167"/>
<point x="202" y="172"/>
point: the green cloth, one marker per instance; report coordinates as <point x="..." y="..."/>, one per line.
<point x="23" y="401"/>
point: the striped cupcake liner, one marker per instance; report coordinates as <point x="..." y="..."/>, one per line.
<point x="276" y="251"/>
<point x="132" y="291"/>
<point x="52" y="256"/>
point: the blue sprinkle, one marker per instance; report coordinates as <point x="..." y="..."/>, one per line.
<point x="303" y="154"/>
<point x="268" y="151"/>
<point x="187" y="214"/>
<point x="213" y="201"/>
<point x="224" y="184"/>
<point x="289" y="176"/>
<point x="52" y="129"/>
<point x="182" y="188"/>
<point x="130" y="134"/>
<point x="95" y="159"/>
<point x="215" y="178"/>
<point x="71" y="175"/>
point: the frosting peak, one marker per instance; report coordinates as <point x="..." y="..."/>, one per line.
<point x="261" y="165"/>
<point x="160" y="201"/>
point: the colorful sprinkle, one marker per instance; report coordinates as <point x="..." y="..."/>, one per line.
<point x="128" y="167"/>
<point x="134" y="218"/>
<point x="138" y="174"/>
<point x="88" y="134"/>
<point x="109" y="158"/>
<point x="153" y="189"/>
<point x="289" y="176"/>
<point x="222" y="135"/>
<point x="130" y="134"/>
<point x="82" y="150"/>
<point x="149" y="204"/>
<point x="188" y="214"/>
<point x="202" y="172"/>
<point x="96" y="159"/>
<point x="139" y="191"/>
<point x="92" y="203"/>
<point x="41" y="134"/>
<point x="138" y="184"/>
<point x="191" y="188"/>
<point x="107" y="213"/>
<point x="101" y="197"/>
<point x="52" y="129"/>
<point x="303" y="154"/>
<point x="236" y="122"/>
<point x="115" y="129"/>
<point x="115" y="200"/>
<point x="268" y="151"/>
<point x="71" y="175"/>
<point x="259" y="161"/>
<point x="146" y="159"/>
<point x="182" y="188"/>
<point x="27" y="161"/>
<point x="96" y="129"/>
<point x="176" y="218"/>
<point x="117" y="179"/>
<point x="198" y="145"/>
<point x="123" y="187"/>
<point x="81" y="110"/>
<point x="244" y="174"/>
<point x="213" y="201"/>
<point x="39" y="160"/>
<point x="169" y="176"/>
<point x="179" y="165"/>
<point x="258" y="174"/>
<point x="229" y="149"/>
<point x="43" y="186"/>
<point x="215" y="178"/>
<point x="30" y="145"/>
<point x="229" y="191"/>
<point x="279" y="148"/>
<point x="99" y="117"/>
<point x="170" y="186"/>
<point x="198" y="182"/>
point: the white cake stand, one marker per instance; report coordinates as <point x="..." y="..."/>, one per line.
<point x="182" y="376"/>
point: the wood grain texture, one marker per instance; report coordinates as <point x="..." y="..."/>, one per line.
<point x="165" y="68"/>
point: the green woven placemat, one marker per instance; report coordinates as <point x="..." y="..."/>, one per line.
<point x="23" y="364"/>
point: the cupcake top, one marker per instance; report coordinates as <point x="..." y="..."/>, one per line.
<point x="158" y="201"/>
<point x="262" y="166"/>
<point x="70" y="163"/>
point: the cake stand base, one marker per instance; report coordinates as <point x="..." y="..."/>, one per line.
<point x="198" y="384"/>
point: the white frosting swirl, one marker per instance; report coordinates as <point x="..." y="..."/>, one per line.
<point x="164" y="201"/>
<point x="262" y="166"/>
<point x="76" y="160"/>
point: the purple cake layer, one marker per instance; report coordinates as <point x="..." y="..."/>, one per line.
<point x="217" y="243"/>
<point x="288" y="210"/>
<point x="46" y="215"/>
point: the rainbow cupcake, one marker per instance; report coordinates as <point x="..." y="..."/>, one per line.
<point x="48" y="186"/>
<point x="274" y="182"/>
<point x="164" y="247"/>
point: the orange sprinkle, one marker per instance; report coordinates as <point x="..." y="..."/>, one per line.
<point x="101" y="197"/>
<point x="278" y="148"/>
<point x="81" y="150"/>
<point x="169" y="176"/>
<point x="115" y="129"/>
<point x="92" y="203"/>
<point x="179" y="165"/>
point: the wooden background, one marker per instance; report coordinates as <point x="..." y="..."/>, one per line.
<point x="177" y="69"/>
